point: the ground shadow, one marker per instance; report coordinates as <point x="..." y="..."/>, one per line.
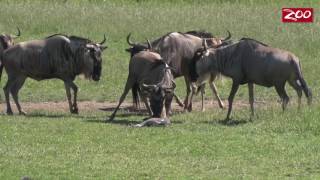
<point x="124" y="122"/>
<point x="35" y="115"/>
<point x="231" y="122"/>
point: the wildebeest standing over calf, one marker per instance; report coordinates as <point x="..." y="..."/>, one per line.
<point x="178" y="49"/>
<point x="57" y="56"/>
<point x="252" y="62"/>
<point x="150" y="77"/>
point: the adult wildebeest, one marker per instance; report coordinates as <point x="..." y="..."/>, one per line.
<point x="252" y="62"/>
<point x="178" y="49"/>
<point x="149" y="77"/>
<point x="57" y="56"/>
<point x="6" y="41"/>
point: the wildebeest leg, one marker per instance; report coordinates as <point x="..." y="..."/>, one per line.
<point x="127" y="88"/>
<point x="187" y="101"/>
<point x="178" y="100"/>
<point x="298" y="89"/>
<point x="75" y="94"/>
<point x="203" y="92"/>
<point x="68" y="92"/>
<point x="15" y="90"/>
<point x="234" y="89"/>
<point x="215" y="92"/>
<point x="251" y="98"/>
<point x="283" y="95"/>
<point x="68" y="86"/>
<point x="146" y="103"/>
<point x="6" y="90"/>
<point x="167" y="104"/>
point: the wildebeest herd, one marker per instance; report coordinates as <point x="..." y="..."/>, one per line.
<point x="198" y="56"/>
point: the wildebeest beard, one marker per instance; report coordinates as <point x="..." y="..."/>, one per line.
<point x="96" y="71"/>
<point x="157" y="102"/>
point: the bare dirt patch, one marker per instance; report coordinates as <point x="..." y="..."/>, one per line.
<point x="89" y="106"/>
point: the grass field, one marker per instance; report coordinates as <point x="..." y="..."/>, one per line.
<point x="56" y="145"/>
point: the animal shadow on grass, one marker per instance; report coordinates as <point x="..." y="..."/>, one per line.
<point x="34" y="115"/>
<point x="231" y="122"/>
<point x="126" y="111"/>
<point x="48" y="115"/>
<point x="124" y="122"/>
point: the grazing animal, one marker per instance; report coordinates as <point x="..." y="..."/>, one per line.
<point x="252" y="62"/>
<point x="150" y="77"/>
<point x="57" y="56"/>
<point x="178" y="49"/>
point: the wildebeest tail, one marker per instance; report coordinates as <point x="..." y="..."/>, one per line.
<point x="301" y="81"/>
<point x="135" y="95"/>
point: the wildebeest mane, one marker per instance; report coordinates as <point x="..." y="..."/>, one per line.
<point x="81" y="39"/>
<point x="192" y="66"/>
<point x="57" y="34"/>
<point x="250" y="39"/>
<point x="72" y="38"/>
<point x="200" y="33"/>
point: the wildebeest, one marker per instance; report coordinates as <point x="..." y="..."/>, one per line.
<point x="178" y="49"/>
<point x="252" y="62"/>
<point x="57" y="56"/>
<point x="154" y="122"/>
<point x="7" y="40"/>
<point x="150" y="77"/>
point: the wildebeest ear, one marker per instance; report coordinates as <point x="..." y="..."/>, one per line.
<point x="128" y="50"/>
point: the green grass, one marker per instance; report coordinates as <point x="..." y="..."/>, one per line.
<point x="48" y="145"/>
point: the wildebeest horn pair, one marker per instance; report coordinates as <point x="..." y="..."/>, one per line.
<point x="138" y="44"/>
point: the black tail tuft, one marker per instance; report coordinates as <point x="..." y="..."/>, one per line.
<point x="303" y="83"/>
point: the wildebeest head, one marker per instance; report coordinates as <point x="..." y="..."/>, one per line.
<point x="218" y="42"/>
<point x="92" y="59"/>
<point x="161" y="91"/>
<point x="210" y="39"/>
<point x="137" y="47"/>
<point x="7" y="40"/>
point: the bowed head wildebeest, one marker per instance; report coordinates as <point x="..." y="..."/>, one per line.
<point x="252" y="62"/>
<point x="7" y="40"/>
<point x="151" y="78"/>
<point x="57" y="56"/>
<point x="178" y="49"/>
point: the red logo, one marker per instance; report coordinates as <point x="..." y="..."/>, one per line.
<point x="297" y="15"/>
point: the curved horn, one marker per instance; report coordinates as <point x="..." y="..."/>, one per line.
<point x="16" y="36"/>
<point x="128" y="40"/>
<point x="104" y="39"/>
<point x="228" y="37"/>
<point x="149" y="44"/>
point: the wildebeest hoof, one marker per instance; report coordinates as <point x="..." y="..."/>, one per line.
<point x="22" y="113"/>
<point x="75" y="111"/>
<point x="221" y="106"/>
<point x="110" y="118"/>
<point x="9" y="113"/>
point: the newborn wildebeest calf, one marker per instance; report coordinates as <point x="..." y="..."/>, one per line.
<point x="151" y="78"/>
<point x="252" y="62"/>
